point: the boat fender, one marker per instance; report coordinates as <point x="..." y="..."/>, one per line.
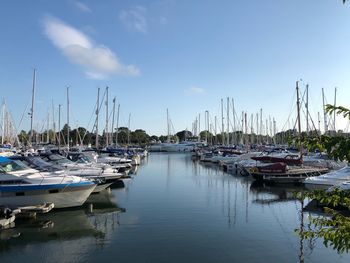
<point x="254" y="170"/>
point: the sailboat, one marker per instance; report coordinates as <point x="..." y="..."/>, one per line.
<point x="168" y="146"/>
<point x="285" y="169"/>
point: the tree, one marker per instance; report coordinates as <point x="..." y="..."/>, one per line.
<point x="205" y="134"/>
<point x="163" y="138"/>
<point x="154" y="138"/>
<point x="123" y="135"/>
<point x="334" y="230"/>
<point x="23" y="137"/>
<point x="139" y="137"/>
<point x="337" y="146"/>
<point x="183" y="135"/>
<point x="65" y="129"/>
<point x="77" y="135"/>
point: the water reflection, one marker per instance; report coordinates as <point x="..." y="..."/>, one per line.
<point x="233" y="190"/>
<point x="178" y="210"/>
<point x="267" y="193"/>
<point x="134" y="170"/>
<point x="260" y="194"/>
<point x="97" y="219"/>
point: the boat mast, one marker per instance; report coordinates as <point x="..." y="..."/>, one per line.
<point x="251" y="129"/>
<point x="167" y="121"/>
<point x="271" y="131"/>
<point x="257" y="128"/>
<point x="129" y="129"/>
<point x="243" y="137"/>
<point x="68" y="118"/>
<point x="97" y="113"/>
<point x="199" y="127"/>
<point x="299" y="123"/>
<point x="117" y="128"/>
<point x="234" y="122"/>
<point x="32" y="109"/>
<point x="307" y="109"/>
<point x="222" y="122"/>
<point x="261" y="127"/>
<point x="53" y="120"/>
<point x="215" y="130"/>
<point x="274" y="130"/>
<point x="267" y="131"/>
<point x="208" y="133"/>
<point x="228" y="121"/>
<point x="3" y="122"/>
<point x="324" y="113"/>
<point x="59" y="126"/>
<point x="335" y="104"/>
<point x="246" y="129"/>
<point x="113" y="120"/>
<point x="48" y="127"/>
<point x="106" y="129"/>
<point x="195" y="130"/>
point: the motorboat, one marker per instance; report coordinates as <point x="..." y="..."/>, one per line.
<point x="112" y="159"/>
<point x="289" y="159"/>
<point x="184" y="147"/>
<point x="86" y="161"/>
<point x="21" y="185"/>
<point x="94" y="158"/>
<point x="325" y="181"/>
<point x="238" y="161"/>
<point x="282" y="173"/>
<point x="102" y="181"/>
<point x="206" y="157"/>
<point x="83" y="169"/>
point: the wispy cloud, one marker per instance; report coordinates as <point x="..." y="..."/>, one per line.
<point x="82" y="7"/>
<point x="98" y="60"/>
<point x="194" y="90"/>
<point x="135" y="18"/>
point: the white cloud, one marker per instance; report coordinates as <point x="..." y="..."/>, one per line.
<point x="194" y="90"/>
<point x="82" y="7"/>
<point x="98" y="60"/>
<point x="135" y="19"/>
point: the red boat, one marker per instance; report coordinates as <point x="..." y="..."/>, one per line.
<point x="280" y="173"/>
<point x="289" y="159"/>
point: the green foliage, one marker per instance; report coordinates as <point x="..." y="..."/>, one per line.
<point x="154" y="138"/>
<point x="339" y="110"/>
<point x="23" y="137"/>
<point x="334" y="198"/>
<point x="286" y="137"/>
<point x="183" y="135"/>
<point x="335" y="228"/>
<point x="139" y="137"/>
<point x="338" y="146"/>
<point x="205" y="134"/>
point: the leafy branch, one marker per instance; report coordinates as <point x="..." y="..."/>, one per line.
<point x="339" y="110"/>
<point x="334" y="229"/>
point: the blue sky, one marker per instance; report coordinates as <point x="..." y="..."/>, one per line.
<point x="181" y="55"/>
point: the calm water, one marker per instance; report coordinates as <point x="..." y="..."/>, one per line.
<point x="173" y="210"/>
